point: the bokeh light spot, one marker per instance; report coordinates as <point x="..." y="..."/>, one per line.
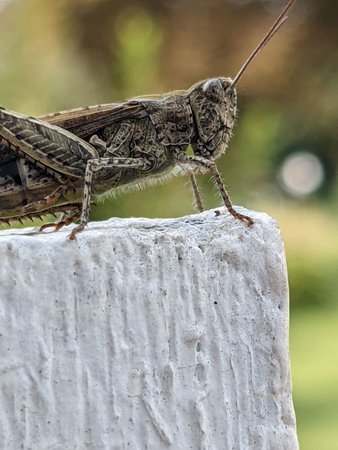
<point x="301" y="174"/>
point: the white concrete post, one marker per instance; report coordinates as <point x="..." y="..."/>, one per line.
<point x="146" y="334"/>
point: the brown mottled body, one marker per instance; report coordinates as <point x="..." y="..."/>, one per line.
<point x="58" y="162"/>
<point x="59" y="159"/>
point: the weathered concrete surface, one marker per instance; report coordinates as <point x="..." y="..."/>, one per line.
<point x="146" y="334"/>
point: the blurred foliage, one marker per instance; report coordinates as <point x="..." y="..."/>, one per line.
<point x="313" y="342"/>
<point x="60" y="55"/>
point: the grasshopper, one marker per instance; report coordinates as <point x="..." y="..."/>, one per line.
<point x="59" y="162"/>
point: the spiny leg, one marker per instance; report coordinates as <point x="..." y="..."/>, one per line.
<point x="38" y="214"/>
<point x="95" y="165"/>
<point x="67" y="218"/>
<point x="196" y="191"/>
<point x="210" y="165"/>
<point x="49" y="200"/>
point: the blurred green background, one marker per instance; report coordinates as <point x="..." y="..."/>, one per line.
<point x="57" y="55"/>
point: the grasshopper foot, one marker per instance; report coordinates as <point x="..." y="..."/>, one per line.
<point x="241" y="217"/>
<point x="237" y="216"/>
<point x="66" y="219"/>
<point x="75" y="231"/>
<point x="56" y="226"/>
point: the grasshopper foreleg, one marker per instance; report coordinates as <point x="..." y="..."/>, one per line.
<point x="95" y="165"/>
<point x="205" y="163"/>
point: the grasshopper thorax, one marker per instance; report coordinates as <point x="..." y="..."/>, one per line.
<point x="214" y="104"/>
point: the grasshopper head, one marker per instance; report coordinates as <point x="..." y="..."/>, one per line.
<point x="213" y="103"/>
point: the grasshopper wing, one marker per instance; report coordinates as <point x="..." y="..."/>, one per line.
<point x="84" y="122"/>
<point x="49" y="146"/>
<point x="170" y="114"/>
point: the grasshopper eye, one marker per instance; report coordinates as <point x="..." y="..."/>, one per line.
<point x="231" y="93"/>
<point x="213" y="89"/>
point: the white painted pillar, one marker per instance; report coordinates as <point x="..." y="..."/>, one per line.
<point x="146" y="334"/>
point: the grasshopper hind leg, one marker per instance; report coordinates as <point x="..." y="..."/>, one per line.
<point x="67" y="218"/>
<point x="49" y="200"/>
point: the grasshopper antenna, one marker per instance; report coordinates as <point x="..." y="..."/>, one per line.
<point x="273" y="30"/>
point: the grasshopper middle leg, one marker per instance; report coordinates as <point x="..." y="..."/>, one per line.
<point x="95" y="165"/>
<point x="196" y="191"/>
